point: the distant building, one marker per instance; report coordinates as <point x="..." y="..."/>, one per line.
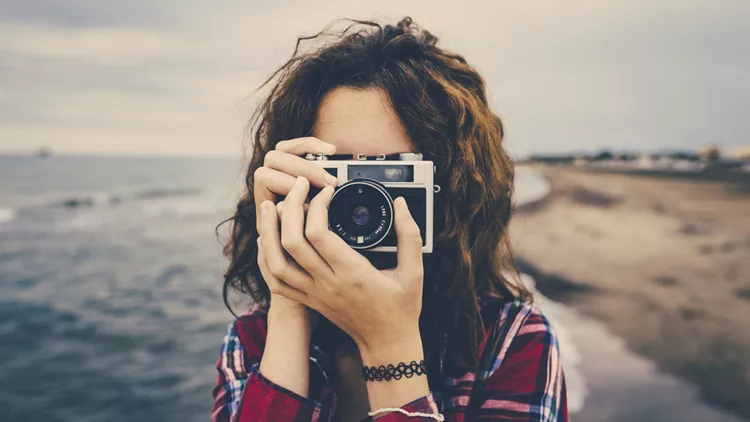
<point x="710" y="154"/>
<point x="675" y="161"/>
<point x="707" y="159"/>
<point x="744" y="156"/>
<point x="43" y="152"/>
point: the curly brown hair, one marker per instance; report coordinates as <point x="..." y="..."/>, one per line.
<point x="442" y="103"/>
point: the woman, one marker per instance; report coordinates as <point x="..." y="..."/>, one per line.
<point x="327" y="317"/>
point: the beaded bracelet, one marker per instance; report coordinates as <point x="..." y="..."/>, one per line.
<point x="438" y="417"/>
<point x="382" y="372"/>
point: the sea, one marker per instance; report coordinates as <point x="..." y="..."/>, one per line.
<point x="110" y="278"/>
<point x="111" y="309"/>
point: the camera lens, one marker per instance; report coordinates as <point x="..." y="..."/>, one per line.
<point x="361" y="213"/>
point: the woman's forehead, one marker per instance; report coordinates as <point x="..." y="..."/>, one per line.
<point x="360" y="121"/>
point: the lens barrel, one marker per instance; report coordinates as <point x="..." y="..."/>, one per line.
<point x="361" y="213"/>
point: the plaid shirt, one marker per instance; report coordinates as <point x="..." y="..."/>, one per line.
<point x="519" y="378"/>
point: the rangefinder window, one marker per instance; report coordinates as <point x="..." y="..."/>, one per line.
<point x="382" y="173"/>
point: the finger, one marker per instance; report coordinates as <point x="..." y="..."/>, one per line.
<point x="292" y="232"/>
<point x="409" y="241"/>
<point x="298" y="166"/>
<point x="268" y="184"/>
<point x="306" y="145"/>
<point x="280" y="207"/>
<point x="280" y="266"/>
<point x="275" y="285"/>
<point x="329" y="246"/>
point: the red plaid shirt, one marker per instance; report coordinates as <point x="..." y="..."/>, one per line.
<point x="519" y="378"/>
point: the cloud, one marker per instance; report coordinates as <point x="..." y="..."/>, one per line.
<point x="99" y="46"/>
<point x="174" y="76"/>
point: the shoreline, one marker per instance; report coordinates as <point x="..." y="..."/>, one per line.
<point x="591" y="230"/>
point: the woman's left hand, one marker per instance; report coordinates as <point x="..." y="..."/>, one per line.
<point x="379" y="309"/>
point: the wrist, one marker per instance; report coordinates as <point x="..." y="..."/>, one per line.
<point x="395" y="392"/>
<point x="293" y="319"/>
<point x="287" y="312"/>
<point x="285" y="359"/>
<point x="281" y="307"/>
<point x="405" y="348"/>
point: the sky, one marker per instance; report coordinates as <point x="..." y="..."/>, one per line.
<point x="177" y="77"/>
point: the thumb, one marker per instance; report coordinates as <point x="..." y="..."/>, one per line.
<point x="409" y="242"/>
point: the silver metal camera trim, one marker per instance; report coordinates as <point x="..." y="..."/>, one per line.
<point x="424" y="175"/>
<point x="410" y="156"/>
<point x="316" y="157"/>
<point x="390" y="206"/>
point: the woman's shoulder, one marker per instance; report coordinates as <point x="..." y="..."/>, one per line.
<point x="513" y="315"/>
<point x="247" y="333"/>
<point x="516" y="330"/>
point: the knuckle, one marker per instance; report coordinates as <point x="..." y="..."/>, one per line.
<point x="418" y="238"/>
<point x="282" y="145"/>
<point x="275" y="288"/>
<point x="295" y="146"/>
<point x="305" y="143"/>
<point x="277" y="268"/>
<point x="411" y="231"/>
<point x="272" y="157"/>
<point x="313" y="234"/>
<point x="290" y="243"/>
<point x="260" y="174"/>
<point x="322" y="173"/>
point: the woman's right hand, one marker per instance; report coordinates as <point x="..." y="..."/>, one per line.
<point x="275" y="179"/>
<point x="290" y="324"/>
<point x="283" y="165"/>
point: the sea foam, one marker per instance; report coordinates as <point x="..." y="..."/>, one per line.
<point x="531" y="186"/>
<point x="7" y="214"/>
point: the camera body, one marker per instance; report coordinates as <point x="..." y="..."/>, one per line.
<point x="361" y="210"/>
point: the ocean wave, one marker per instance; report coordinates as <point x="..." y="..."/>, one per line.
<point x="102" y="199"/>
<point x="167" y="193"/>
<point x="7" y="214"/>
<point x="88" y="201"/>
<point x="179" y="209"/>
<point x="531" y="186"/>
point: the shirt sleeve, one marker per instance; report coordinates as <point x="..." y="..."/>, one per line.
<point x="265" y="401"/>
<point x="243" y="394"/>
<point x="528" y="384"/>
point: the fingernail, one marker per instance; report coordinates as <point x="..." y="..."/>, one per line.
<point x="328" y="189"/>
<point x="263" y="209"/>
<point x="331" y="179"/>
<point x="259" y="240"/>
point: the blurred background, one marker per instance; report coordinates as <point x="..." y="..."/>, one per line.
<point x="121" y="127"/>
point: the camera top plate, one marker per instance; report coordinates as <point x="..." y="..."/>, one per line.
<point x="399" y="156"/>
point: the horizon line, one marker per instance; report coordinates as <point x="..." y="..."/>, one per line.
<point x="115" y="154"/>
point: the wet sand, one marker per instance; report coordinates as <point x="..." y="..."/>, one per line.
<point x="663" y="263"/>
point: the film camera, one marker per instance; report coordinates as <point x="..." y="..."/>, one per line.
<point x="361" y="210"/>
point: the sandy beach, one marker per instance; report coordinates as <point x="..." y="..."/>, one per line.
<point x="662" y="261"/>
